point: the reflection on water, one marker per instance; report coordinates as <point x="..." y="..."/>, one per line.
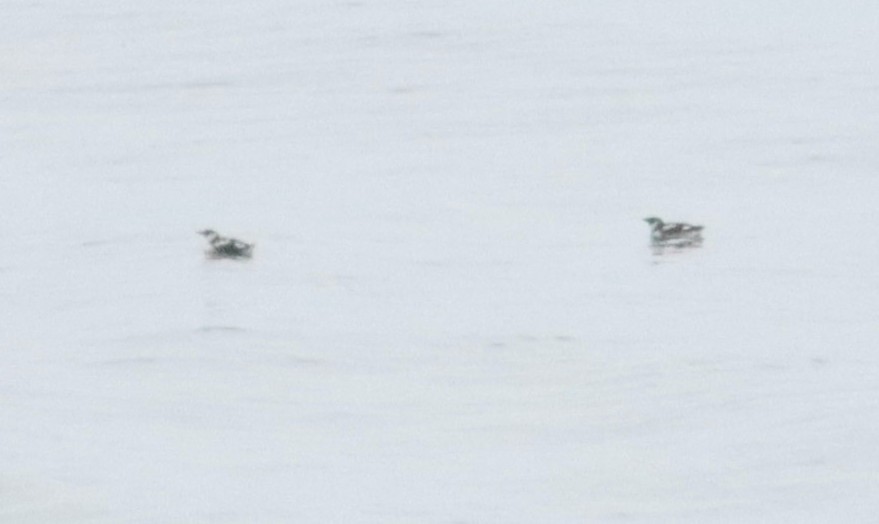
<point x="672" y="247"/>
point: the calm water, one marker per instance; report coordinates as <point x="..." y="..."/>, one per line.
<point x="453" y="314"/>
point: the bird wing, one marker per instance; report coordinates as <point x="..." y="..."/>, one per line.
<point x="676" y="229"/>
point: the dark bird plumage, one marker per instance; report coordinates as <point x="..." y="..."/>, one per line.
<point x="674" y="233"/>
<point x="222" y="247"/>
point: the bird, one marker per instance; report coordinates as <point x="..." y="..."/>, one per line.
<point x="675" y="233"/>
<point x="222" y="247"/>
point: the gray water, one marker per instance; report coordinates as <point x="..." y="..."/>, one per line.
<point x="453" y="313"/>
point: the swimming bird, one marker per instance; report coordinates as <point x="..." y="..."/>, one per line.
<point x="675" y="233"/>
<point x="222" y="247"/>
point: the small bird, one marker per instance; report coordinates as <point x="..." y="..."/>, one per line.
<point x="676" y="234"/>
<point x="222" y="247"/>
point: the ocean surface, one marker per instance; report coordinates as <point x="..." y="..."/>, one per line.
<point x="453" y="314"/>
